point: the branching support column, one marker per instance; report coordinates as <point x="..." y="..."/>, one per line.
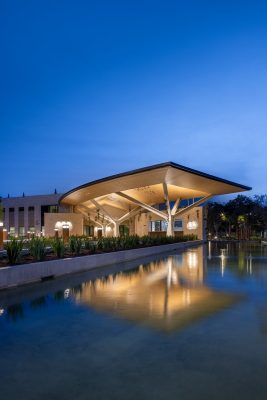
<point x="170" y="220"/>
<point x="170" y="228"/>
<point x="116" y="228"/>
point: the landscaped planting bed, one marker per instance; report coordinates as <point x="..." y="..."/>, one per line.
<point x="42" y="249"/>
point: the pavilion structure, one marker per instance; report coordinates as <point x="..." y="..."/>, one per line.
<point x="164" y="198"/>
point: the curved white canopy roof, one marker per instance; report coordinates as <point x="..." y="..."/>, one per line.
<point x="152" y="185"/>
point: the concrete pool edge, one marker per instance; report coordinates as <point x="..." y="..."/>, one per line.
<point x="17" y="275"/>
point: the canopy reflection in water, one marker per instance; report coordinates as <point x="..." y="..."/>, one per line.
<point x="166" y="295"/>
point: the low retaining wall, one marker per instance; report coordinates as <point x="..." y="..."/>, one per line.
<point x="17" y="275"/>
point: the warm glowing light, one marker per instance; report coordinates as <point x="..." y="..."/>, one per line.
<point x="1" y="224"/>
<point x="192" y="259"/>
<point x="192" y="225"/>
<point x="223" y="258"/>
<point x="63" y="225"/>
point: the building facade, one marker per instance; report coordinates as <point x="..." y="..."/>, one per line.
<point x="25" y="214"/>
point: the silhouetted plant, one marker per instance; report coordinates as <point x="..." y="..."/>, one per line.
<point x="38" y="302"/>
<point x="14" y="249"/>
<point x="87" y="243"/>
<point x="58" y="247"/>
<point x="15" y="312"/>
<point x="75" y="244"/>
<point x="37" y="248"/>
<point x="134" y="241"/>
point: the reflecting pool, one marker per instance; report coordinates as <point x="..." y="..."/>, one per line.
<point x="190" y="325"/>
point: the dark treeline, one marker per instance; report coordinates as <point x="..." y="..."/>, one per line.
<point x="242" y="218"/>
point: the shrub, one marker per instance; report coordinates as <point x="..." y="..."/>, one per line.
<point x="37" y="248"/>
<point x="75" y="244"/>
<point x="87" y="243"/>
<point x="58" y="247"/>
<point x="90" y="244"/>
<point x="256" y="238"/>
<point x="134" y="241"/>
<point x="14" y="249"/>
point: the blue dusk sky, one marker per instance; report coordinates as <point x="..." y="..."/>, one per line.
<point x="93" y="88"/>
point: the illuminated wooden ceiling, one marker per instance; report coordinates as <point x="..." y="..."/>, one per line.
<point x="146" y="186"/>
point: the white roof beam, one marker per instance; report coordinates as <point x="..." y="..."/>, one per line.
<point x="85" y="214"/>
<point x="143" y="205"/>
<point x="129" y="214"/>
<point x="90" y="211"/>
<point x="197" y="203"/>
<point x="104" y="211"/>
<point x="175" y="207"/>
<point x="166" y="196"/>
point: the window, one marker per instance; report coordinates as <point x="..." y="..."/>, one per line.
<point x="124" y="230"/>
<point x="162" y="206"/>
<point x="12" y="230"/>
<point x="21" y="208"/>
<point x="161" y="226"/>
<point x="53" y="209"/>
<point x="188" y="202"/>
<point x="11" y="209"/>
<point x="158" y="226"/>
<point x="178" y="225"/>
<point x="88" y="230"/>
<point x="21" y="231"/>
<point x="31" y="208"/>
<point x="164" y="225"/>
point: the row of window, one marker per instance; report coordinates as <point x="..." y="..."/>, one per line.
<point x="183" y="203"/>
<point x="21" y="232"/>
<point x="161" y="226"/>
<point x="51" y="209"/>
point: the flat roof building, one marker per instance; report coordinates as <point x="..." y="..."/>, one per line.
<point x="25" y="214"/>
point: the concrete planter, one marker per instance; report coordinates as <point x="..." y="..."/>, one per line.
<point x="17" y="275"/>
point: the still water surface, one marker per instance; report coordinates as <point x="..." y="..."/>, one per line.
<point x="189" y="325"/>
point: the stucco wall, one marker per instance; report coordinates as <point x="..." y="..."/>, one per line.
<point x="53" y="220"/>
<point x="194" y="215"/>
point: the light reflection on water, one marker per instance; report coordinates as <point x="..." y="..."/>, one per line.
<point x="167" y="295"/>
<point x="190" y="325"/>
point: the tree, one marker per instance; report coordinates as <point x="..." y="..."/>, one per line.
<point x="242" y="216"/>
<point x="214" y="220"/>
